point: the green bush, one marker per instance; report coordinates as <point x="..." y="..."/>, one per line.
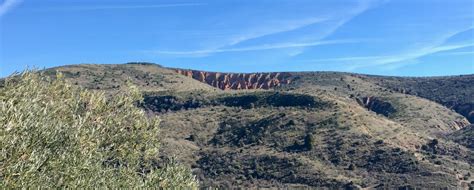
<point x="53" y="134"/>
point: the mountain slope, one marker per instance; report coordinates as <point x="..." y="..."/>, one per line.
<point x="148" y="77"/>
<point x="454" y="92"/>
<point x="311" y="129"/>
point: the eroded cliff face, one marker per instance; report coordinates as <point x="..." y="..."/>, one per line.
<point x="238" y="81"/>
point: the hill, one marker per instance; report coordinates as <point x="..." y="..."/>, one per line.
<point x="454" y="92"/>
<point x="304" y="129"/>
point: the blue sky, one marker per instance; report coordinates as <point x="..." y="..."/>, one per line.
<point x="386" y="37"/>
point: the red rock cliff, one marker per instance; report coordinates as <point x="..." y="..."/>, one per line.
<point x="238" y="81"/>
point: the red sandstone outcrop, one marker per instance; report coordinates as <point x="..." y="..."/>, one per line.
<point x="238" y="81"/>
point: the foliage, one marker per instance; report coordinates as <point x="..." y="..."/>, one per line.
<point x="53" y="134"/>
<point x="277" y="99"/>
<point x="308" y="142"/>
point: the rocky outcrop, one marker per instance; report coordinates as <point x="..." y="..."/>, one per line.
<point x="377" y="105"/>
<point x="238" y="81"/>
<point x="460" y="124"/>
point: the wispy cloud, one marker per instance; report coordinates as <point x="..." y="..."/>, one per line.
<point x="410" y="56"/>
<point x="361" y="8"/>
<point x="300" y="43"/>
<point x="256" y="48"/>
<point x="267" y="28"/>
<point x="458" y="53"/>
<point x="347" y="59"/>
<point x="112" y="7"/>
<point x="420" y="53"/>
<point x="301" y="23"/>
<point x="7" y="5"/>
<point x="439" y="45"/>
<point x="391" y="62"/>
<point x="276" y="28"/>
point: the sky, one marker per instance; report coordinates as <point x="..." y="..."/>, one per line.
<point x="383" y="37"/>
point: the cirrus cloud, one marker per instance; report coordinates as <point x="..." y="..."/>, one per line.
<point x="8" y="5"/>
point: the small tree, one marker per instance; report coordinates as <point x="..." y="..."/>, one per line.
<point x="56" y="135"/>
<point x="308" y="142"/>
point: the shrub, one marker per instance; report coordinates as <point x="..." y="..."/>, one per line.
<point x="56" y="135"/>
<point x="308" y="142"/>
